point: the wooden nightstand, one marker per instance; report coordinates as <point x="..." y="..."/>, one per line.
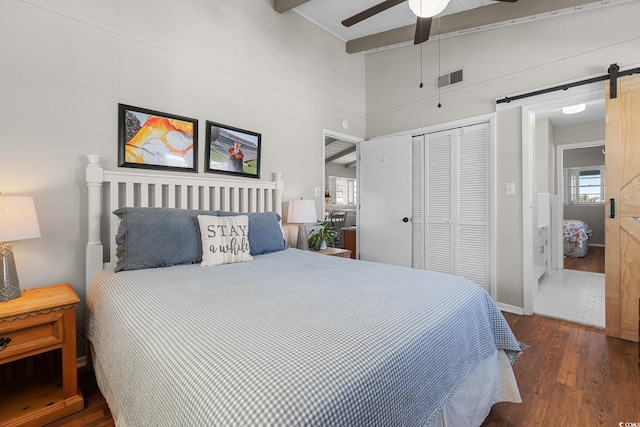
<point x="41" y="320"/>
<point x="342" y="253"/>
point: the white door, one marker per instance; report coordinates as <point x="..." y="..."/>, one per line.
<point x="384" y="227"/>
<point x="451" y="203"/>
<point x="472" y="205"/>
<point x="439" y="201"/>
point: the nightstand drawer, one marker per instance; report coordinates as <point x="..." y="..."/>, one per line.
<point x="32" y="333"/>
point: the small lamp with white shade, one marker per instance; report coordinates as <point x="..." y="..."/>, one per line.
<point x="18" y="221"/>
<point x="302" y="212"/>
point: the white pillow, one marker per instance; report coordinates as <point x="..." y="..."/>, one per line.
<point x="224" y="239"/>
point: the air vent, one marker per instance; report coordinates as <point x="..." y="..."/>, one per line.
<point x="449" y="79"/>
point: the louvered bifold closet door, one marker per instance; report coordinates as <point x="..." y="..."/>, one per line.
<point x="439" y="202"/>
<point x="472" y="244"/>
<point x="417" y="202"/>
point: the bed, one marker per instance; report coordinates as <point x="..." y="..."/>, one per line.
<point x="261" y="334"/>
<point x="576" y="238"/>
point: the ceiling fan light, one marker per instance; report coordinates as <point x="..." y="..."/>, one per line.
<point x="427" y="8"/>
<point x="574" y="109"/>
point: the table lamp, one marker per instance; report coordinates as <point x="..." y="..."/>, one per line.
<point x="18" y="221"/>
<point x="302" y="212"/>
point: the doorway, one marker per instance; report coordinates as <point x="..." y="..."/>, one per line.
<point x="564" y="130"/>
<point x="340" y="187"/>
<point x="575" y="290"/>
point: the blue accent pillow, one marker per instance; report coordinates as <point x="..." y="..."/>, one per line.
<point x="265" y="233"/>
<point x="158" y="237"/>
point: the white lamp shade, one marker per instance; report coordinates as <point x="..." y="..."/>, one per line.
<point x="18" y="220"/>
<point x="427" y="8"/>
<point x="302" y="211"/>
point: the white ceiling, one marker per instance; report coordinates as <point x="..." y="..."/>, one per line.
<point x="329" y="14"/>
<point x="395" y="26"/>
<point x="594" y="111"/>
<point x="339" y="152"/>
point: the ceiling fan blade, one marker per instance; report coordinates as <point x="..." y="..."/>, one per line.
<point x="423" y="28"/>
<point x="368" y="13"/>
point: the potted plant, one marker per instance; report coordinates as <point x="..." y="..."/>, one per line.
<point x="320" y="237"/>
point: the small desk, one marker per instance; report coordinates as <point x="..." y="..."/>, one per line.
<point x="342" y="253"/>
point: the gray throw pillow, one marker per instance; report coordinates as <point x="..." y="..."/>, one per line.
<point x="158" y="237"/>
<point x="265" y="232"/>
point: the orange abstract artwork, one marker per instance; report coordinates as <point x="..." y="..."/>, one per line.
<point x="155" y="140"/>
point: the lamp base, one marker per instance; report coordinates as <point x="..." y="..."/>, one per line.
<point x="303" y="238"/>
<point x="10" y="285"/>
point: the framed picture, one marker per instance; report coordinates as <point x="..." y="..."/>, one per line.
<point x="232" y="151"/>
<point x="154" y="140"/>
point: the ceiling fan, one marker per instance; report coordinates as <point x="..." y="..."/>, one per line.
<point x="425" y="10"/>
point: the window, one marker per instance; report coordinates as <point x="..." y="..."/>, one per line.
<point x="343" y="191"/>
<point x="584" y="185"/>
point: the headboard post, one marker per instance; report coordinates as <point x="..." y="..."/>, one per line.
<point x="277" y="178"/>
<point x="94" y="251"/>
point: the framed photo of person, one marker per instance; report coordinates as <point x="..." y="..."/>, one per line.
<point x="232" y="151"/>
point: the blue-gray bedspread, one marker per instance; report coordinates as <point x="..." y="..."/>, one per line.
<point x="290" y="338"/>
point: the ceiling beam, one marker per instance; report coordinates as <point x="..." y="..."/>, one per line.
<point x="474" y="18"/>
<point x="340" y="154"/>
<point x="329" y="140"/>
<point x="351" y="164"/>
<point x="282" y="6"/>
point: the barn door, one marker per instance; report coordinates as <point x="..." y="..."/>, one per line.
<point x="622" y="224"/>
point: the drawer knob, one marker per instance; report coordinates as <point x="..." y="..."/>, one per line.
<point x="4" y="342"/>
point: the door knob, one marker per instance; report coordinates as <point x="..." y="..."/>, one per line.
<point x="405" y="219"/>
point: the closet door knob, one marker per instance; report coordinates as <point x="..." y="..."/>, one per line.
<point x="405" y="219"/>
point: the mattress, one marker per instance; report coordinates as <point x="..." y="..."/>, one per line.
<point x="296" y="338"/>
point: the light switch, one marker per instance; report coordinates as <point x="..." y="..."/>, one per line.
<point x="317" y="191"/>
<point x="510" y="188"/>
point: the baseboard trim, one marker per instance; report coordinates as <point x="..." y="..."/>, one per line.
<point x="598" y="245"/>
<point x="510" y="308"/>
<point x="81" y="362"/>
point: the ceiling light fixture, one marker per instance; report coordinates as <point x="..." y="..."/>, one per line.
<point x="427" y="8"/>
<point x="574" y="109"/>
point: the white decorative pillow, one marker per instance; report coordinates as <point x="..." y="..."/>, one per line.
<point x="224" y="239"/>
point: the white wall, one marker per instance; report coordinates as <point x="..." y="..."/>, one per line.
<point x="66" y="64"/>
<point x="497" y="63"/>
<point x="544" y="148"/>
<point x="333" y="169"/>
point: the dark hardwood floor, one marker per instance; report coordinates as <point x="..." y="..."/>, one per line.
<point x="593" y="261"/>
<point x="571" y="375"/>
<point x="96" y="413"/>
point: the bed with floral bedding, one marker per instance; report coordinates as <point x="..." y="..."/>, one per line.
<point x="576" y="235"/>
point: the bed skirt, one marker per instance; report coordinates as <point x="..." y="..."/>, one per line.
<point x="492" y="381"/>
<point x="576" y="249"/>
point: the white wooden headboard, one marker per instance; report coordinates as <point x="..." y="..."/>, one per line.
<point x="129" y="189"/>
